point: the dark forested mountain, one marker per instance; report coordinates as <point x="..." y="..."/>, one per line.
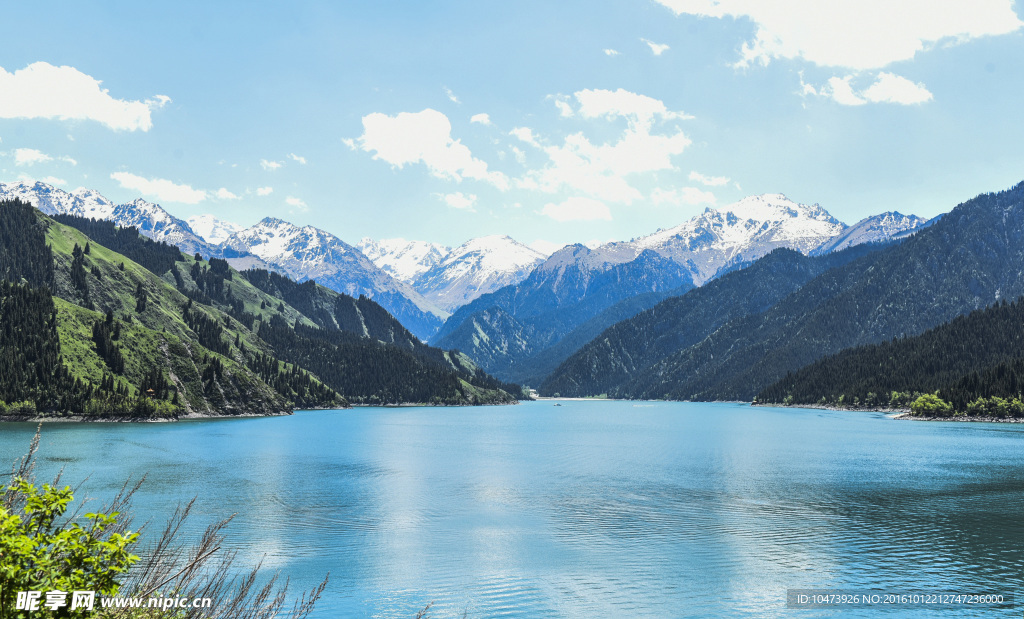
<point x="503" y="330"/>
<point x="24" y="254"/>
<point x="972" y="356"/>
<point x="616" y="356"/>
<point x="970" y="258"/>
<point x="145" y="330"/>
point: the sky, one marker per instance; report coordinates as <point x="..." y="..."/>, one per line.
<point x="552" y="122"/>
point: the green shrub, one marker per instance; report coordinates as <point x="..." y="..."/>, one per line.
<point x="40" y="552"/>
<point x="931" y="405"/>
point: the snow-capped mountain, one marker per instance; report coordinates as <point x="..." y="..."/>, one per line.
<point x="739" y="232"/>
<point x="475" y="268"/>
<point x="421" y="282"/>
<point x="159" y="225"/>
<point x="873" y="229"/>
<point x="53" y="201"/>
<point x="305" y="253"/>
<point x="212" y="229"/>
<point x="151" y="220"/>
<point x="404" y="260"/>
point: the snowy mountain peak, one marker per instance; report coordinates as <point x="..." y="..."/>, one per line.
<point x="873" y="229"/>
<point x="275" y="222"/>
<point x="776" y="207"/>
<point x="211" y="228"/>
<point x="475" y="268"/>
<point x="93" y="204"/>
<point x="497" y="251"/>
<point x="742" y="231"/>
<point x="402" y="259"/>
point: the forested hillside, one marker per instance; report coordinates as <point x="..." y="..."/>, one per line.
<point x="979" y="355"/>
<point x="147" y="331"/>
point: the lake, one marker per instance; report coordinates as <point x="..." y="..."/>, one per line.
<point x="588" y="509"/>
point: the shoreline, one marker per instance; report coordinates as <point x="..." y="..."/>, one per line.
<point x="832" y="407"/>
<point x="105" y="419"/>
<point x="211" y="416"/>
<point x="424" y="405"/>
<point x="963" y="418"/>
<point x="901" y="414"/>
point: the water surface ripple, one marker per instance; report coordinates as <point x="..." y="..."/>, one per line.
<point x="586" y="509"/>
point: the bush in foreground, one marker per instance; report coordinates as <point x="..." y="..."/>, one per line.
<point x="44" y="548"/>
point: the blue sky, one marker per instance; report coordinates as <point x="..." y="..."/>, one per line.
<point x="548" y="121"/>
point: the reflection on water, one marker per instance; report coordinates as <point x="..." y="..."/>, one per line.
<point x="588" y="509"/>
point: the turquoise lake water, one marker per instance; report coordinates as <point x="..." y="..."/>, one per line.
<point x="589" y="509"/>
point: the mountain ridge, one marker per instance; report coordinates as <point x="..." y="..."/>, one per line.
<point x="421" y="283"/>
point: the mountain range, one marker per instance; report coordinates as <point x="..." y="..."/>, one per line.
<point x="422" y="283"/>
<point x="523" y="332"/>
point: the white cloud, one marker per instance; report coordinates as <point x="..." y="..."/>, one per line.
<point x="294" y="157"/>
<point x="841" y="91"/>
<point x="564" y="109"/>
<point x="483" y="119"/>
<point x="611" y="52"/>
<point x="459" y="200"/>
<point x="424" y="137"/>
<point x="224" y="194"/>
<point x="161" y="189"/>
<point x="270" y="165"/>
<point x="656" y="48"/>
<point x="888" y="88"/>
<point x="297" y="203"/>
<point x="709" y="181"/>
<point x="545" y="247"/>
<point x="53" y="180"/>
<point x="30" y="156"/>
<point x="42" y="90"/>
<point x="858" y="34"/>
<point x="264" y="191"/>
<point x="682" y="195"/>
<point x="525" y="134"/>
<point x="600" y="170"/>
<point x="577" y="208"/>
<point x="519" y="154"/>
<point x="639" y="109"/>
<point x="451" y="95"/>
